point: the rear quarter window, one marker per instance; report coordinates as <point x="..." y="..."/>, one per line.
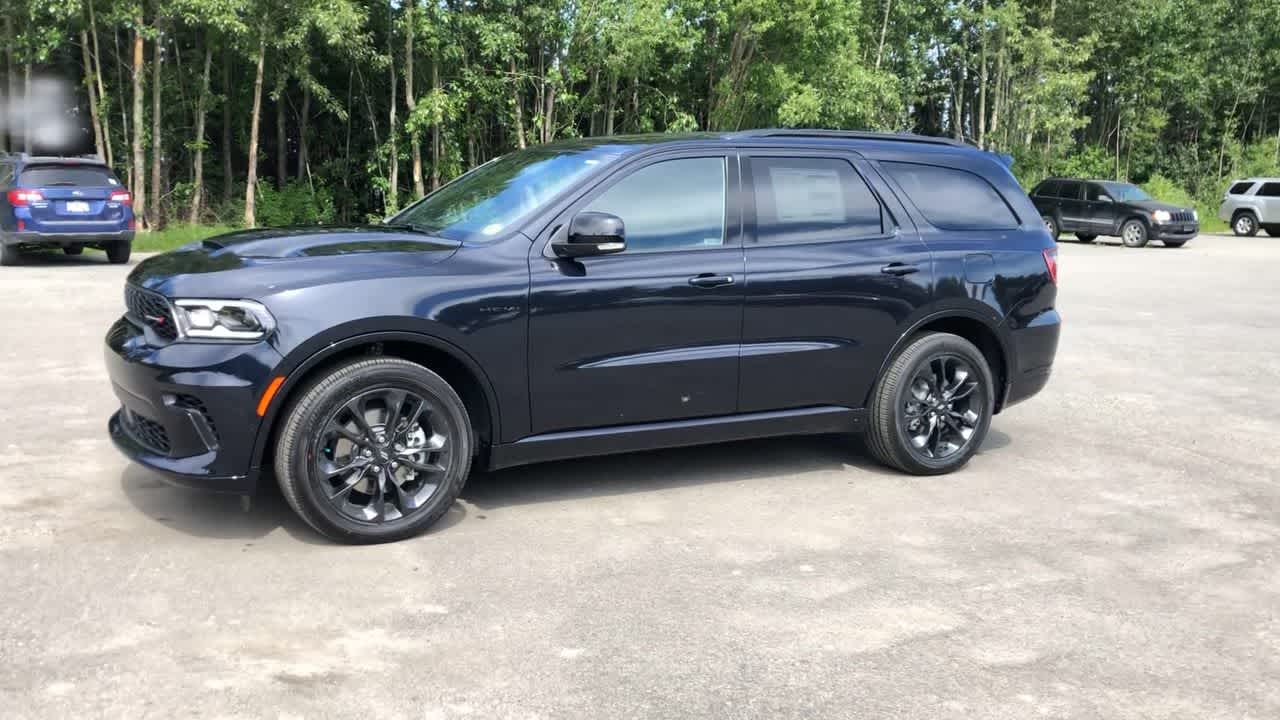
<point x="1240" y="188"/>
<point x="952" y="199"/>
<point x="68" y="176"/>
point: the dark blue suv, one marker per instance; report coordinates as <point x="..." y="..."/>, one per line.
<point x="71" y="203"/>
<point x="590" y="297"/>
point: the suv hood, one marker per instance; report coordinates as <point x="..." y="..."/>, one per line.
<point x="253" y="263"/>
<point x="1153" y="205"/>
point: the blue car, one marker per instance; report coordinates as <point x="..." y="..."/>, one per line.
<point x="71" y="203"/>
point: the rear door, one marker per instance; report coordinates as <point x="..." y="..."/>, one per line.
<point x="77" y="198"/>
<point x="834" y="268"/>
<point x="1071" y="206"/>
<point x="1269" y="197"/>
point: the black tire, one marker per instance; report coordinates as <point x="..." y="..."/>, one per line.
<point x="1134" y="233"/>
<point x="1244" y="224"/>
<point x="73" y="249"/>
<point x="1086" y="237"/>
<point x="9" y="255"/>
<point x="889" y="424"/>
<point x="1272" y="230"/>
<point x="302" y="448"/>
<point x="118" y="252"/>
<point x="1051" y="225"/>
<point x="1174" y="243"/>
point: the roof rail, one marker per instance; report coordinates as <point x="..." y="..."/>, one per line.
<point x="847" y="135"/>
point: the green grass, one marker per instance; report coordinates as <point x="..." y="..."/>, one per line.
<point x="176" y="236"/>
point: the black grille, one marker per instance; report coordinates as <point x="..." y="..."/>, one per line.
<point x="191" y="402"/>
<point x="152" y="309"/>
<point x="149" y="433"/>
<point x="1183" y="216"/>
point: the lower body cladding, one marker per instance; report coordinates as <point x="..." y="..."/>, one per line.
<point x="65" y="239"/>
<point x="188" y="410"/>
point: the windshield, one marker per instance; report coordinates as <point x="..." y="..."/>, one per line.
<point x="486" y="201"/>
<point x="1124" y="192"/>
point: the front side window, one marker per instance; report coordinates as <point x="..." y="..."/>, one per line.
<point x="812" y="199"/>
<point x="1124" y="192"/>
<point x="670" y="205"/>
<point x="953" y="199"/>
<point x="1271" y="189"/>
<point x="1240" y="188"/>
<point x="1094" y="193"/>
<point x="486" y="201"/>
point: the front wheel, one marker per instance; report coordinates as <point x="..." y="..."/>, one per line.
<point x="9" y="255"/>
<point x="375" y="451"/>
<point x="1134" y="234"/>
<point x="1272" y="230"/>
<point x="1051" y="226"/>
<point x="1174" y="243"/>
<point x="1086" y="237"/>
<point x="932" y="407"/>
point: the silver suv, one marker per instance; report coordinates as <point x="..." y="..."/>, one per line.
<point x="1252" y="204"/>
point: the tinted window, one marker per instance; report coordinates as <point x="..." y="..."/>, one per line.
<point x="68" y="175"/>
<point x="1240" y="188"/>
<point x="808" y="199"/>
<point x="1070" y="190"/>
<point x="1048" y="188"/>
<point x="1271" y="189"/>
<point x="669" y="205"/>
<point x="6" y="174"/>
<point x="1094" y="192"/>
<point x="953" y="199"/>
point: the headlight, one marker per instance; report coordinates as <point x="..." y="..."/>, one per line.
<point x="223" y="319"/>
<point x="1195" y="215"/>
<point x="1161" y="216"/>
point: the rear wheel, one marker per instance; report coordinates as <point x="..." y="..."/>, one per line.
<point x="932" y="407"/>
<point x="1134" y="233"/>
<point x="1051" y="225"/>
<point x="9" y="255"/>
<point x="1086" y="237"/>
<point x="1244" y="224"/>
<point x="375" y="451"/>
<point x="118" y="252"/>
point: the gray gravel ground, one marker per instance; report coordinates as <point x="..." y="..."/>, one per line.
<point x="1112" y="552"/>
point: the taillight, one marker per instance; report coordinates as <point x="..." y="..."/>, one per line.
<point x="23" y="198"/>
<point x="1051" y="263"/>
<point x="120" y="196"/>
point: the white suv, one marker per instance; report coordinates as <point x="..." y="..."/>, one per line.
<point x="1252" y="204"/>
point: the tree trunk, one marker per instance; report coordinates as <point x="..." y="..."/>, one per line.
<point x="515" y="98"/>
<point x="157" y="137"/>
<point x="410" y="99"/>
<point x="435" y="131"/>
<point x="26" y="116"/>
<point x="393" y="177"/>
<point x="92" y="89"/>
<point x="304" y="121"/>
<point x="608" y="105"/>
<point x="998" y="100"/>
<point x="139" y="180"/>
<point x="884" y="28"/>
<point x="982" y="84"/>
<point x="228" y="169"/>
<point x="109" y="156"/>
<point x="8" y="72"/>
<point x="282" y="139"/>
<point x="251" y="177"/>
<point x="197" y="162"/>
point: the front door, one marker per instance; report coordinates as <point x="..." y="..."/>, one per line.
<point x="651" y="333"/>
<point x="834" y="269"/>
<point x="1100" y="210"/>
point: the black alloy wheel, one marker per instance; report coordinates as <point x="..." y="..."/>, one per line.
<point x="943" y="408"/>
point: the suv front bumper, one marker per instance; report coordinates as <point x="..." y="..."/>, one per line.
<point x="188" y="410"/>
<point x="1175" y="231"/>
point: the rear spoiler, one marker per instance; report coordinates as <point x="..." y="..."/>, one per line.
<point x="1005" y="159"/>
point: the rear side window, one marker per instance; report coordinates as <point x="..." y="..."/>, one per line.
<point x="6" y="174"/>
<point x="1240" y="188"/>
<point x="1271" y="189"/>
<point x="1048" y="188"/>
<point x="68" y="176"/>
<point x="812" y="199"/>
<point x="953" y="199"/>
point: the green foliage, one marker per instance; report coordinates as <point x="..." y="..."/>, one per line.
<point x="176" y="236"/>
<point x="296" y="204"/>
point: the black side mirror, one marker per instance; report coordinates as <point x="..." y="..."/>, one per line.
<point x="591" y="233"/>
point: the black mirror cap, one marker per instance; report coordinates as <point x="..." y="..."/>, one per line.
<point x="592" y="233"/>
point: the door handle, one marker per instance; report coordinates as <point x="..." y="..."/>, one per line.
<point x="707" y="280"/>
<point x="899" y="269"/>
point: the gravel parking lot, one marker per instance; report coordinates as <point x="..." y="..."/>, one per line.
<point x="1113" y="551"/>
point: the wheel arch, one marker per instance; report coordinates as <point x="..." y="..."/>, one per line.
<point x="440" y="356"/>
<point x="978" y="329"/>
